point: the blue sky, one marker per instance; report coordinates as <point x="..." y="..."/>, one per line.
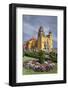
<point x="31" y="24"/>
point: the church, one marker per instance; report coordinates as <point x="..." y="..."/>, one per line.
<point x="43" y="42"/>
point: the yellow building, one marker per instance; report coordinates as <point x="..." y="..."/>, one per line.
<point x="43" y="42"/>
<point x="31" y="44"/>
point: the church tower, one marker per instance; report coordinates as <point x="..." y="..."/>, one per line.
<point x="50" y="41"/>
<point x="41" y="39"/>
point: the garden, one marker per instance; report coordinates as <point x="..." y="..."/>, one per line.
<point x="39" y="62"/>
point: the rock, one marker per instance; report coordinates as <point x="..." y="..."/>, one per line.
<point x="46" y="62"/>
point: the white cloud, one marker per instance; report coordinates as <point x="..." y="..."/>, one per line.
<point x="32" y="30"/>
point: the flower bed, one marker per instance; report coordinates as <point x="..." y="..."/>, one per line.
<point x="36" y="66"/>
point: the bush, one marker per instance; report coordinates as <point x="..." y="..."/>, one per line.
<point x="41" y="56"/>
<point x="31" y="54"/>
<point x="53" y="56"/>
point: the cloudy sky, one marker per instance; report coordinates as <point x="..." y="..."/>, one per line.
<point x="31" y="24"/>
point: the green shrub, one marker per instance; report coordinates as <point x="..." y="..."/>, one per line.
<point x="31" y="54"/>
<point x="53" y="56"/>
<point x="41" y="56"/>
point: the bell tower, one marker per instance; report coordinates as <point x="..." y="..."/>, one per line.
<point x="41" y="39"/>
<point x="50" y="41"/>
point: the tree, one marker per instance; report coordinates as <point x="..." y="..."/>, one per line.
<point x="53" y="56"/>
<point x="41" y="56"/>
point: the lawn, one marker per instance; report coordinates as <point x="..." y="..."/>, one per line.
<point x="30" y="71"/>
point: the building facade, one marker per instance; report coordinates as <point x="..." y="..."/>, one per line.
<point x="43" y="42"/>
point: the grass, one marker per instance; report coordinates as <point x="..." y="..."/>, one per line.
<point x="30" y="71"/>
<point x="25" y="58"/>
